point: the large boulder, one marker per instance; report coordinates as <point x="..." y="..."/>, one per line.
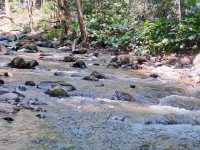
<point x="21" y="63"/>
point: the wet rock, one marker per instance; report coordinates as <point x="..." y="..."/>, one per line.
<point x="47" y="44"/>
<point x="132" y="66"/>
<point x="96" y="64"/>
<point x="45" y="85"/>
<point x="33" y="105"/>
<point x="123" y="96"/>
<point x="98" y="75"/>
<point x="8" y="119"/>
<point x="100" y="85"/>
<point x="141" y="59"/>
<point x="133" y="86"/>
<point x="95" y="76"/>
<point x="23" y="43"/>
<point x="96" y="54"/>
<point x="7" y="74"/>
<point x="57" y="92"/>
<point x="69" y="59"/>
<point x="41" y="116"/>
<point x="79" y="64"/>
<point x="59" y="73"/>
<point x="21" y="63"/>
<point x="22" y="88"/>
<point x="189" y="103"/>
<point x="30" y="83"/>
<point x="28" y="48"/>
<point x="127" y="62"/>
<point x="2" y="82"/>
<point x="154" y="75"/>
<point x="80" y="51"/>
<point x="90" y="78"/>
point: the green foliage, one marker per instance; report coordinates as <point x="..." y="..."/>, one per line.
<point x="48" y="7"/>
<point x="171" y="36"/>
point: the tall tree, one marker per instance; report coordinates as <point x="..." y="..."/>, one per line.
<point x="81" y="22"/>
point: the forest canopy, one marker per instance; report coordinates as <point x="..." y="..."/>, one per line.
<point x="142" y="26"/>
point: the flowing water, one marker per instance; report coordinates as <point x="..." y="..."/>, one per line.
<point x="165" y="115"/>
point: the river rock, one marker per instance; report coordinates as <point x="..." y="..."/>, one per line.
<point x="98" y="75"/>
<point x="79" y="64"/>
<point x="45" y="85"/>
<point x="47" y="44"/>
<point x="95" y="76"/>
<point x="154" y="75"/>
<point x="80" y="51"/>
<point x="8" y="119"/>
<point x="21" y="63"/>
<point x="57" y="92"/>
<point x="30" y="83"/>
<point x="189" y="103"/>
<point x="123" y="96"/>
<point x="90" y="78"/>
<point x="2" y="82"/>
<point x="69" y="59"/>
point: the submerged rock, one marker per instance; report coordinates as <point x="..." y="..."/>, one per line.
<point x="79" y="64"/>
<point x="123" y="96"/>
<point x="21" y="63"/>
<point x="57" y="92"/>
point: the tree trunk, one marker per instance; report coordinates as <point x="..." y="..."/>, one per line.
<point x="7" y="8"/>
<point x="179" y="9"/>
<point x="64" y="7"/>
<point x="81" y="22"/>
<point x="30" y="13"/>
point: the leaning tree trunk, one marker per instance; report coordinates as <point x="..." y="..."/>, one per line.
<point x="81" y="22"/>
